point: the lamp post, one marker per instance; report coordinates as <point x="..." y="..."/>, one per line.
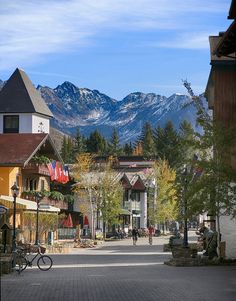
<point x="15" y="192"/>
<point x="38" y="197"/>
<point x="185" y="241"/>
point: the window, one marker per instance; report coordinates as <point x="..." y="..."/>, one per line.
<point x="42" y="185"/>
<point x="33" y="184"/>
<point x="11" y="124"/>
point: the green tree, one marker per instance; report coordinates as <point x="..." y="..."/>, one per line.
<point x="167" y="143"/>
<point x="187" y="146"/>
<point x="110" y="196"/>
<point x="114" y="144"/>
<point x="212" y="189"/>
<point x="96" y="143"/>
<point x="128" y="149"/>
<point x="67" y="149"/>
<point x="148" y="141"/>
<point x="86" y="185"/>
<point x="47" y="222"/>
<point x="80" y="143"/>
<point x="163" y="205"/>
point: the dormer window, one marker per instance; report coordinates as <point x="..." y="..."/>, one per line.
<point x="11" y="124"/>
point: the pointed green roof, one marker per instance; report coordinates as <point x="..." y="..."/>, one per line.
<point x="20" y="96"/>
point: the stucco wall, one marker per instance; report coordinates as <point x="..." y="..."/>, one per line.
<point x="40" y="124"/>
<point x="8" y="178"/>
<point x="228" y="231"/>
<point x="25" y="123"/>
<point x="30" y="123"/>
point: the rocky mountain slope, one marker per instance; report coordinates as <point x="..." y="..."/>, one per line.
<point x="87" y="109"/>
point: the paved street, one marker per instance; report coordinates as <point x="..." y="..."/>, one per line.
<point x="119" y="271"/>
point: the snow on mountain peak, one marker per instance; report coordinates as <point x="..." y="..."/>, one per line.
<point x="90" y="110"/>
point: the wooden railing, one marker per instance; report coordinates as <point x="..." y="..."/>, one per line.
<point x="34" y="168"/>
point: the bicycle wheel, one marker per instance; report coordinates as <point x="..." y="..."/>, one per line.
<point x="21" y="263"/>
<point x="44" y="263"/>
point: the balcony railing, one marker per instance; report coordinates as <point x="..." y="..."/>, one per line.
<point x="55" y="203"/>
<point x="47" y="201"/>
<point x="34" y="168"/>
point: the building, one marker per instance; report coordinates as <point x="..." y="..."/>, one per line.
<point x="132" y="173"/>
<point x="25" y="150"/>
<point x="22" y="109"/>
<point x="221" y="96"/>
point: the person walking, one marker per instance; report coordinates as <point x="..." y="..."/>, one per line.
<point x="150" y="234"/>
<point x="135" y="235"/>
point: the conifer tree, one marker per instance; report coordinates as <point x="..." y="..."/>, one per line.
<point x="67" y="149"/>
<point x="147" y="141"/>
<point x="96" y="143"/>
<point x="128" y="149"/>
<point x="80" y="143"/>
<point x="114" y="144"/>
<point x="167" y="143"/>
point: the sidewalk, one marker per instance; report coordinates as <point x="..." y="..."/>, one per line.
<point x="119" y="271"/>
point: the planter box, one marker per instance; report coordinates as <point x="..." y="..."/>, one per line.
<point x="5" y="263"/>
<point x="182" y="252"/>
<point x="177" y="241"/>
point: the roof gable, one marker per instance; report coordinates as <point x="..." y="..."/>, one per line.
<point x="20" y="96"/>
<point x="232" y="10"/>
<point x="18" y="149"/>
<point x="125" y="182"/>
<point x="139" y="185"/>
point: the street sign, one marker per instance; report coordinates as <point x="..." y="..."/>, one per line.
<point x="3" y="209"/>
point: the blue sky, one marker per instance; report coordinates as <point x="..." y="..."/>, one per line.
<point x="114" y="46"/>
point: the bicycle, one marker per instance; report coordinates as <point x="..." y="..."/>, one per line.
<point x="18" y="259"/>
<point x="44" y="262"/>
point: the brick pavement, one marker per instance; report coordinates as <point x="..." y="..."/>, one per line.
<point x="122" y="272"/>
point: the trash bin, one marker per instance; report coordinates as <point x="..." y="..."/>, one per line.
<point x="50" y="237"/>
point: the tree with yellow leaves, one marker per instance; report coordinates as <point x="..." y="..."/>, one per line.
<point x="163" y="205"/>
<point x="101" y="186"/>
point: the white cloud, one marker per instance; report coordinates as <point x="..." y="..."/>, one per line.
<point x="32" y="29"/>
<point x="186" y="41"/>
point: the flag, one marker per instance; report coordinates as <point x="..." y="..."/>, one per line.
<point x="59" y="172"/>
<point x="65" y="177"/>
<point x="52" y="170"/>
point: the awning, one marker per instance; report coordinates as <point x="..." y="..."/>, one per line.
<point x="125" y="212"/>
<point x="24" y="204"/>
<point x="68" y="223"/>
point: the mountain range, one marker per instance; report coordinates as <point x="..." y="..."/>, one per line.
<point x="87" y="109"/>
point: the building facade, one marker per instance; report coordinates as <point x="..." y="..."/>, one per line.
<point x="221" y="96"/>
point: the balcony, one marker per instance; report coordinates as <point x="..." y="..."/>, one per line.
<point x="34" y="168"/>
<point x="48" y="201"/>
<point x="55" y="203"/>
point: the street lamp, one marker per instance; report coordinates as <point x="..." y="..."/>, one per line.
<point x="38" y="197"/>
<point x="185" y="241"/>
<point x="15" y="192"/>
